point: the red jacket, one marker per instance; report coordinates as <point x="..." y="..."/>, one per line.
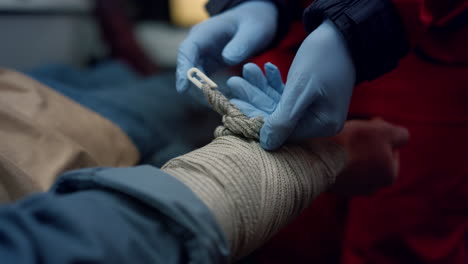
<point x="423" y="218"/>
<point x="437" y="28"/>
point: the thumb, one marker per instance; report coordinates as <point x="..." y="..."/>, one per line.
<point x="246" y="41"/>
<point x="397" y="135"/>
<point x="296" y="99"/>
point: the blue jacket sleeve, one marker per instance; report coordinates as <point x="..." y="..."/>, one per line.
<point x="128" y="215"/>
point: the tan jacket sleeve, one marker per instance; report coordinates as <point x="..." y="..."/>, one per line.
<point x="44" y="134"/>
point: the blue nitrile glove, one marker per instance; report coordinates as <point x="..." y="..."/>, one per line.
<point x="227" y="39"/>
<point x="315" y="100"/>
<point x="256" y="94"/>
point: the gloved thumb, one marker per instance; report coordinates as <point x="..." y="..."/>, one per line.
<point x="279" y="126"/>
<point x="245" y="42"/>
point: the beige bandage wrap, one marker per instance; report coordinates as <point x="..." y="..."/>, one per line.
<point x="253" y="192"/>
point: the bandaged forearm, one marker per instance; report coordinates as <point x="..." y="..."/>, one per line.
<point x="252" y="192"/>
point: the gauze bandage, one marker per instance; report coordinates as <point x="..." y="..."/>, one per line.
<point x="253" y="192"/>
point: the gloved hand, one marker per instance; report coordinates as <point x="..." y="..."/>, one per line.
<point x="315" y="100"/>
<point x="227" y="39"/>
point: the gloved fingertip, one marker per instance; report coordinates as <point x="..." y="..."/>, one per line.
<point x="273" y="76"/>
<point x="266" y="140"/>
<point x="271" y="66"/>
<point x="266" y="145"/>
<point x="234" y="81"/>
<point x="181" y="85"/>
<point x="182" y="82"/>
<point x="249" y="67"/>
<point x="231" y="60"/>
<point x="232" y="55"/>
